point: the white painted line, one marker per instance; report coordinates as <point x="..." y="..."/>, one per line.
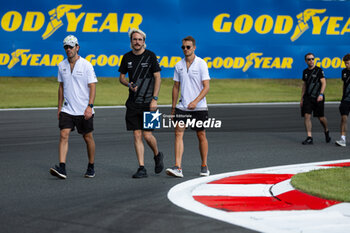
<point x="281" y="187"/>
<point x="232" y="190"/>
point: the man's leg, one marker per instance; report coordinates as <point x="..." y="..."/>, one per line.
<point x="60" y="171"/>
<point x="179" y="145"/>
<point x="140" y="151"/>
<point x="343" y="129"/>
<point x="158" y="156"/>
<point x="179" y="150"/>
<point x="308" y="124"/>
<point x="139" y="147"/>
<point x="203" y="149"/>
<point x="90" y="145"/>
<point x="344" y="125"/>
<point x="63" y="145"/>
<point x="151" y="141"/>
<point x="323" y="121"/>
<point x="203" y="146"/>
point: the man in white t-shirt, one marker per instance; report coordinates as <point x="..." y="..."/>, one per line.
<point x="191" y="77"/>
<point x="76" y="96"/>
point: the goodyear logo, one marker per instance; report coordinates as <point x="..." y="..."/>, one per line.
<point x="25" y="58"/>
<point x="255" y="60"/>
<point x="284" y="24"/>
<point x="91" y="22"/>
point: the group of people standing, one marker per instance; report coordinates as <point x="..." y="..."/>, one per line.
<point x="77" y="90"/>
<point x="313" y="99"/>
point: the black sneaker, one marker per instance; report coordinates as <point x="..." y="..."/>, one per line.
<point x="59" y="172"/>
<point x="90" y="172"/>
<point x="141" y="173"/>
<point x="308" y="141"/>
<point x="328" y="138"/>
<point x="158" y="160"/>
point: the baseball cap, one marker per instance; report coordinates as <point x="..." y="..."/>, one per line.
<point x="70" y="40"/>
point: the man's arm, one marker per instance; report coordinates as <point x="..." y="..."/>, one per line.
<point x="302" y="93"/>
<point x="323" y="88"/>
<point x="175" y="96"/>
<point x="201" y="95"/>
<point x="157" y="81"/>
<point x="124" y="81"/>
<point x="92" y="95"/>
<point x="60" y="99"/>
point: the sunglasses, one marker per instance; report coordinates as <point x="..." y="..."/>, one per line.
<point x="310" y="59"/>
<point x="186" y="47"/>
<point x="67" y="46"/>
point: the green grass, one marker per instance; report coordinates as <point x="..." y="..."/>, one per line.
<point x="332" y="183"/>
<point x="42" y="92"/>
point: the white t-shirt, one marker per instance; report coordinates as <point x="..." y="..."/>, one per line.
<point x="75" y="85"/>
<point x="191" y="82"/>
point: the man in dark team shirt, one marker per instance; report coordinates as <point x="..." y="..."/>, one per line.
<point x="312" y="97"/>
<point x="144" y="84"/>
<point x="344" y="107"/>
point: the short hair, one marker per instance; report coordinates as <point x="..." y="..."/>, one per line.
<point x="134" y="30"/>
<point x="308" y="55"/>
<point x="190" y="38"/>
<point x="346" y="57"/>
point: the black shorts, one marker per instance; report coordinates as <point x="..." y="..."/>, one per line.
<point x="344" y="108"/>
<point x="134" y="118"/>
<point x="310" y="105"/>
<point x="67" y="121"/>
<point x="184" y="116"/>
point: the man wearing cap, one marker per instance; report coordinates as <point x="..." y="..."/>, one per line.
<point x="144" y="83"/>
<point x="76" y="96"/>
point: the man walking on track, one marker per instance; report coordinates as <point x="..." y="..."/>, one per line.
<point x="76" y="96"/>
<point x="344" y="107"/>
<point x="313" y="98"/>
<point x="144" y="83"/>
<point x="191" y="78"/>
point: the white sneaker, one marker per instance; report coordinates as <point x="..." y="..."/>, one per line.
<point x="174" y="171"/>
<point x="341" y="142"/>
<point x="204" y="171"/>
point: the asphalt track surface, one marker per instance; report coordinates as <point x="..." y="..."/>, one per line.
<point x="31" y="200"/>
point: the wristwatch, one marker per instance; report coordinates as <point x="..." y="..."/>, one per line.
<point x="91" y="105"/>
<point x="155" y="97"/>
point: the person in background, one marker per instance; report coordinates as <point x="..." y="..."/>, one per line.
<point x="313" y="98"/>
<point x="344" y="107"/>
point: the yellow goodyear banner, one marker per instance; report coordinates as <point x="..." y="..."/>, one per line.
<point x="237" y="39"/>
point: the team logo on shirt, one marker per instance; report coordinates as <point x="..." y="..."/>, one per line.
<point x="144" y="65"/>
<point x="129" y="65"/>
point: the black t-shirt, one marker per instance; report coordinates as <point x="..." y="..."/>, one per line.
<point x="345" y="76"/>
<point x="312" y="79"/>
<point x="140" y="69"/>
